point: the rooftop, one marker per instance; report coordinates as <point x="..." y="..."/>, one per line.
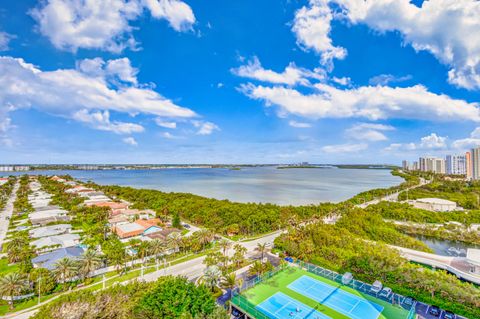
<point x="436" y="201"/>
<point x="48" y="260"/>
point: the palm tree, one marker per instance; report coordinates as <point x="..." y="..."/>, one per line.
<point x="157" y="247"/>
<point x="239" y="255"/>
<point x="230" y="281"/>
<point x="224" y="245"/>
<point x="143" y="250"/>
<point x="11" y="285"/>
<point x="65" y="269"/>
<point x="204" y="236"/>
<point x="89" y="262"/>
<point x="261" y="248"/>
<point x="14" y="248"/>
<point x="174" y="241"/>
<point x="257" y="268"/>
<point x="211" y="277"/>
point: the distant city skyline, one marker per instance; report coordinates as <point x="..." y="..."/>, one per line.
<point x="170" y="81"/>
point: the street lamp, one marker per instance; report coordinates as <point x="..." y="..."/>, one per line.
<point x="39" y="283"/>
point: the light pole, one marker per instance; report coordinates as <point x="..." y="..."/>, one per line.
<point x="39" y="283"/>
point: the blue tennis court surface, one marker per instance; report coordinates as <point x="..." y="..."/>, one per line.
<point x="281" y="306"/>
<point x="340" y="300"/>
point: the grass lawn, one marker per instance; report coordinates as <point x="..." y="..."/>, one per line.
<point x="280" y="282"/>
<point x="5" y="268"/>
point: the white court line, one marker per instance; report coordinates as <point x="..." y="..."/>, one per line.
<point x="282" y="308"/>
<point x="355" y="306"/>
<point x="267" y="311"/>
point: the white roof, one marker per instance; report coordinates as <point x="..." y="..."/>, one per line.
<point x="40" y="203"/>
<point x="473" y="255"/>
<point x="49" y="230"/>
<point x="129" y="227"/>
<point x="47" y="213"/>
<point x="65" y="240"/>
<point x="436" y="201"/>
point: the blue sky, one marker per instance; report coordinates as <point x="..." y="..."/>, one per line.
<point x="168" y="81"/>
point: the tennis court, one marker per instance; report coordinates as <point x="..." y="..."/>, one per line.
<point x="279" y="296"/>
<point x="340" y="300"/>
<point x="281" y="306"/>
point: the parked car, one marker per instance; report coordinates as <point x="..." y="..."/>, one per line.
<point x="434" y="311"/>
<point x="449" y="315"/>
<point x="187" y="226"/>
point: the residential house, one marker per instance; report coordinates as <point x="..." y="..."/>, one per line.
<point x="128" y="230"/>
<point x="136" y="228"/>
<point x="111" y="205"/>
<point x="44" y="217"/>
<point x="49" y="260"/>
<point x="57" y="241"/>
<point x="51" y="230"/>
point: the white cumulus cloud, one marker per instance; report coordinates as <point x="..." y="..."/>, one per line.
<point x="370" y="102"/>
<point x="165" y="124"/>
<point x="369" y="131"/>
<point x="205" y="128"/>
<point x="105" y="24"/>
<point x="130" y="141"/>
<point x="448" y="29"/>
<point x="292" y="75"/>
<point x="85" y="96"/>
<point x="432" y="142"/>
<point x="469" y="142"/>
<point x="312" y="26"/>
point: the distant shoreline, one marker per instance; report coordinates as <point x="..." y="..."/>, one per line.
<point x="107" y="167"/>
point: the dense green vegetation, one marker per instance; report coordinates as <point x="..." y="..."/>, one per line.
<point x="21" y="206"/>
<point x="168" y="298"/>
<point x="220" y="215"/>
<point x="410" y="181"/>
<point x="339" y="249"/>
<point x="465" y="194"/>
<point x="452" y="232"/>
<point x="371" y="226"/>
<point x="406" y="212"/>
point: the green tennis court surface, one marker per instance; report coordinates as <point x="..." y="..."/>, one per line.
<point x="296" y="293"/>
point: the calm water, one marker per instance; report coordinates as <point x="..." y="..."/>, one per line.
<point x="446" y="247"/>
<point x="258" y="184"/>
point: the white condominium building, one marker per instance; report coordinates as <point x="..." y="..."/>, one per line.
<point x="432" y="164"/>
<point x="456" y="165"/>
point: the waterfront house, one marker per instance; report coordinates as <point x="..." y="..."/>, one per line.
<point x="48" y="260"/>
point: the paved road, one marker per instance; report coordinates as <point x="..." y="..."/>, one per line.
<point x="191" y="269"/>
<point x="6" y="214"/>
<point x="393" y="197"/>
<point x="194" y="268"/>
